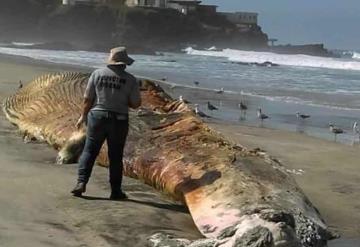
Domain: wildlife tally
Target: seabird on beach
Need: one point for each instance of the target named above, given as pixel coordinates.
(211, 107)
(261, 115)
(196, 83)
(164, 78)
(20, 84)
(356, 131)
(181, 99)
(221, 91)
(302, 116)
(243, 108)
(335, 130)
(199, 113)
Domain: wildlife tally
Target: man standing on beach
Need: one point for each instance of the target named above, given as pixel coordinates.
(109, 94)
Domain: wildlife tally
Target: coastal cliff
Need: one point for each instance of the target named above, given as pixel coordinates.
(98, 27)
(142, 30)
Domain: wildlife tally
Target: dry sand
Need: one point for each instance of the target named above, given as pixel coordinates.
(36, 208)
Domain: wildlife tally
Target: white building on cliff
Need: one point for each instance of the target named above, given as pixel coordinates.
(183, 6)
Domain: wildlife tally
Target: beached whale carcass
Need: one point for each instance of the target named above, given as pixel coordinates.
(237, 197)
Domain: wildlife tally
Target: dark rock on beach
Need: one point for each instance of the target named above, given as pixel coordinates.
(308, 49)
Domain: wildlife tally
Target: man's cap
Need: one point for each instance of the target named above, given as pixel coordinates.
(120, 57)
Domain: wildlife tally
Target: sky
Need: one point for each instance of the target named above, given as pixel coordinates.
(336, 23)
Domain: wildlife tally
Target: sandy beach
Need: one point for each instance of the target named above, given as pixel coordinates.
(37, 209)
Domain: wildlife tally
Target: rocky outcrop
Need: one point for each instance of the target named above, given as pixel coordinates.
(99, 28)
(310, 49)
(237, 197)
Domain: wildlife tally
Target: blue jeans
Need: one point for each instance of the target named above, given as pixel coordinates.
(101, 126)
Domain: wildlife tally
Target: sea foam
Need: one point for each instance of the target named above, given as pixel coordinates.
(24, 44)
(356, 55)
(282, 59)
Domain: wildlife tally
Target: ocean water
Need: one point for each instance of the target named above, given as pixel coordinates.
(326, 88)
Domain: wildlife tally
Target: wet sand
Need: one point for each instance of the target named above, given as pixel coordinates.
(36, 208)
(282, 114)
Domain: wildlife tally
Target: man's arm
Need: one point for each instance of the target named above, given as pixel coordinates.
(88, 103)
(135, 98)
(89, 98)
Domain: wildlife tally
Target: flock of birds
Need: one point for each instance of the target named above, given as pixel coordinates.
(262, 116)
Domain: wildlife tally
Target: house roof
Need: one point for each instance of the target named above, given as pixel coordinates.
(209, 5)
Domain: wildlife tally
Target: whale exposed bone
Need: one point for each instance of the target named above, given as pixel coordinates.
(236, 196)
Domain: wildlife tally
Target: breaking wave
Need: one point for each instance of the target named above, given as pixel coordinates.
(24, 44)
(356, 55)
(282, 59)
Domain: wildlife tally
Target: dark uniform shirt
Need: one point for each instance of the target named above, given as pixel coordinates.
(112, 89)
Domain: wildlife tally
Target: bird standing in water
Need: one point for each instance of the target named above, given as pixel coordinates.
(261, 115)
(221, 91)
(302, 116)
(198, 112)
(300, 127)
(211, 107)
(243, 108)
(356, 131)
(335, 130)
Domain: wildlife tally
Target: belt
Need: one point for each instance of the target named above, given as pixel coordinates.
(118, 116)
(110, 115)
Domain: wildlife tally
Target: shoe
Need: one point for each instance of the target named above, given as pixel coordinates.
(118, 195)
(79, 189)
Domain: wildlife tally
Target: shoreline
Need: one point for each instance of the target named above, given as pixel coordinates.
(282, 115)
(24, 60)
(284, 145)
(318, 50)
